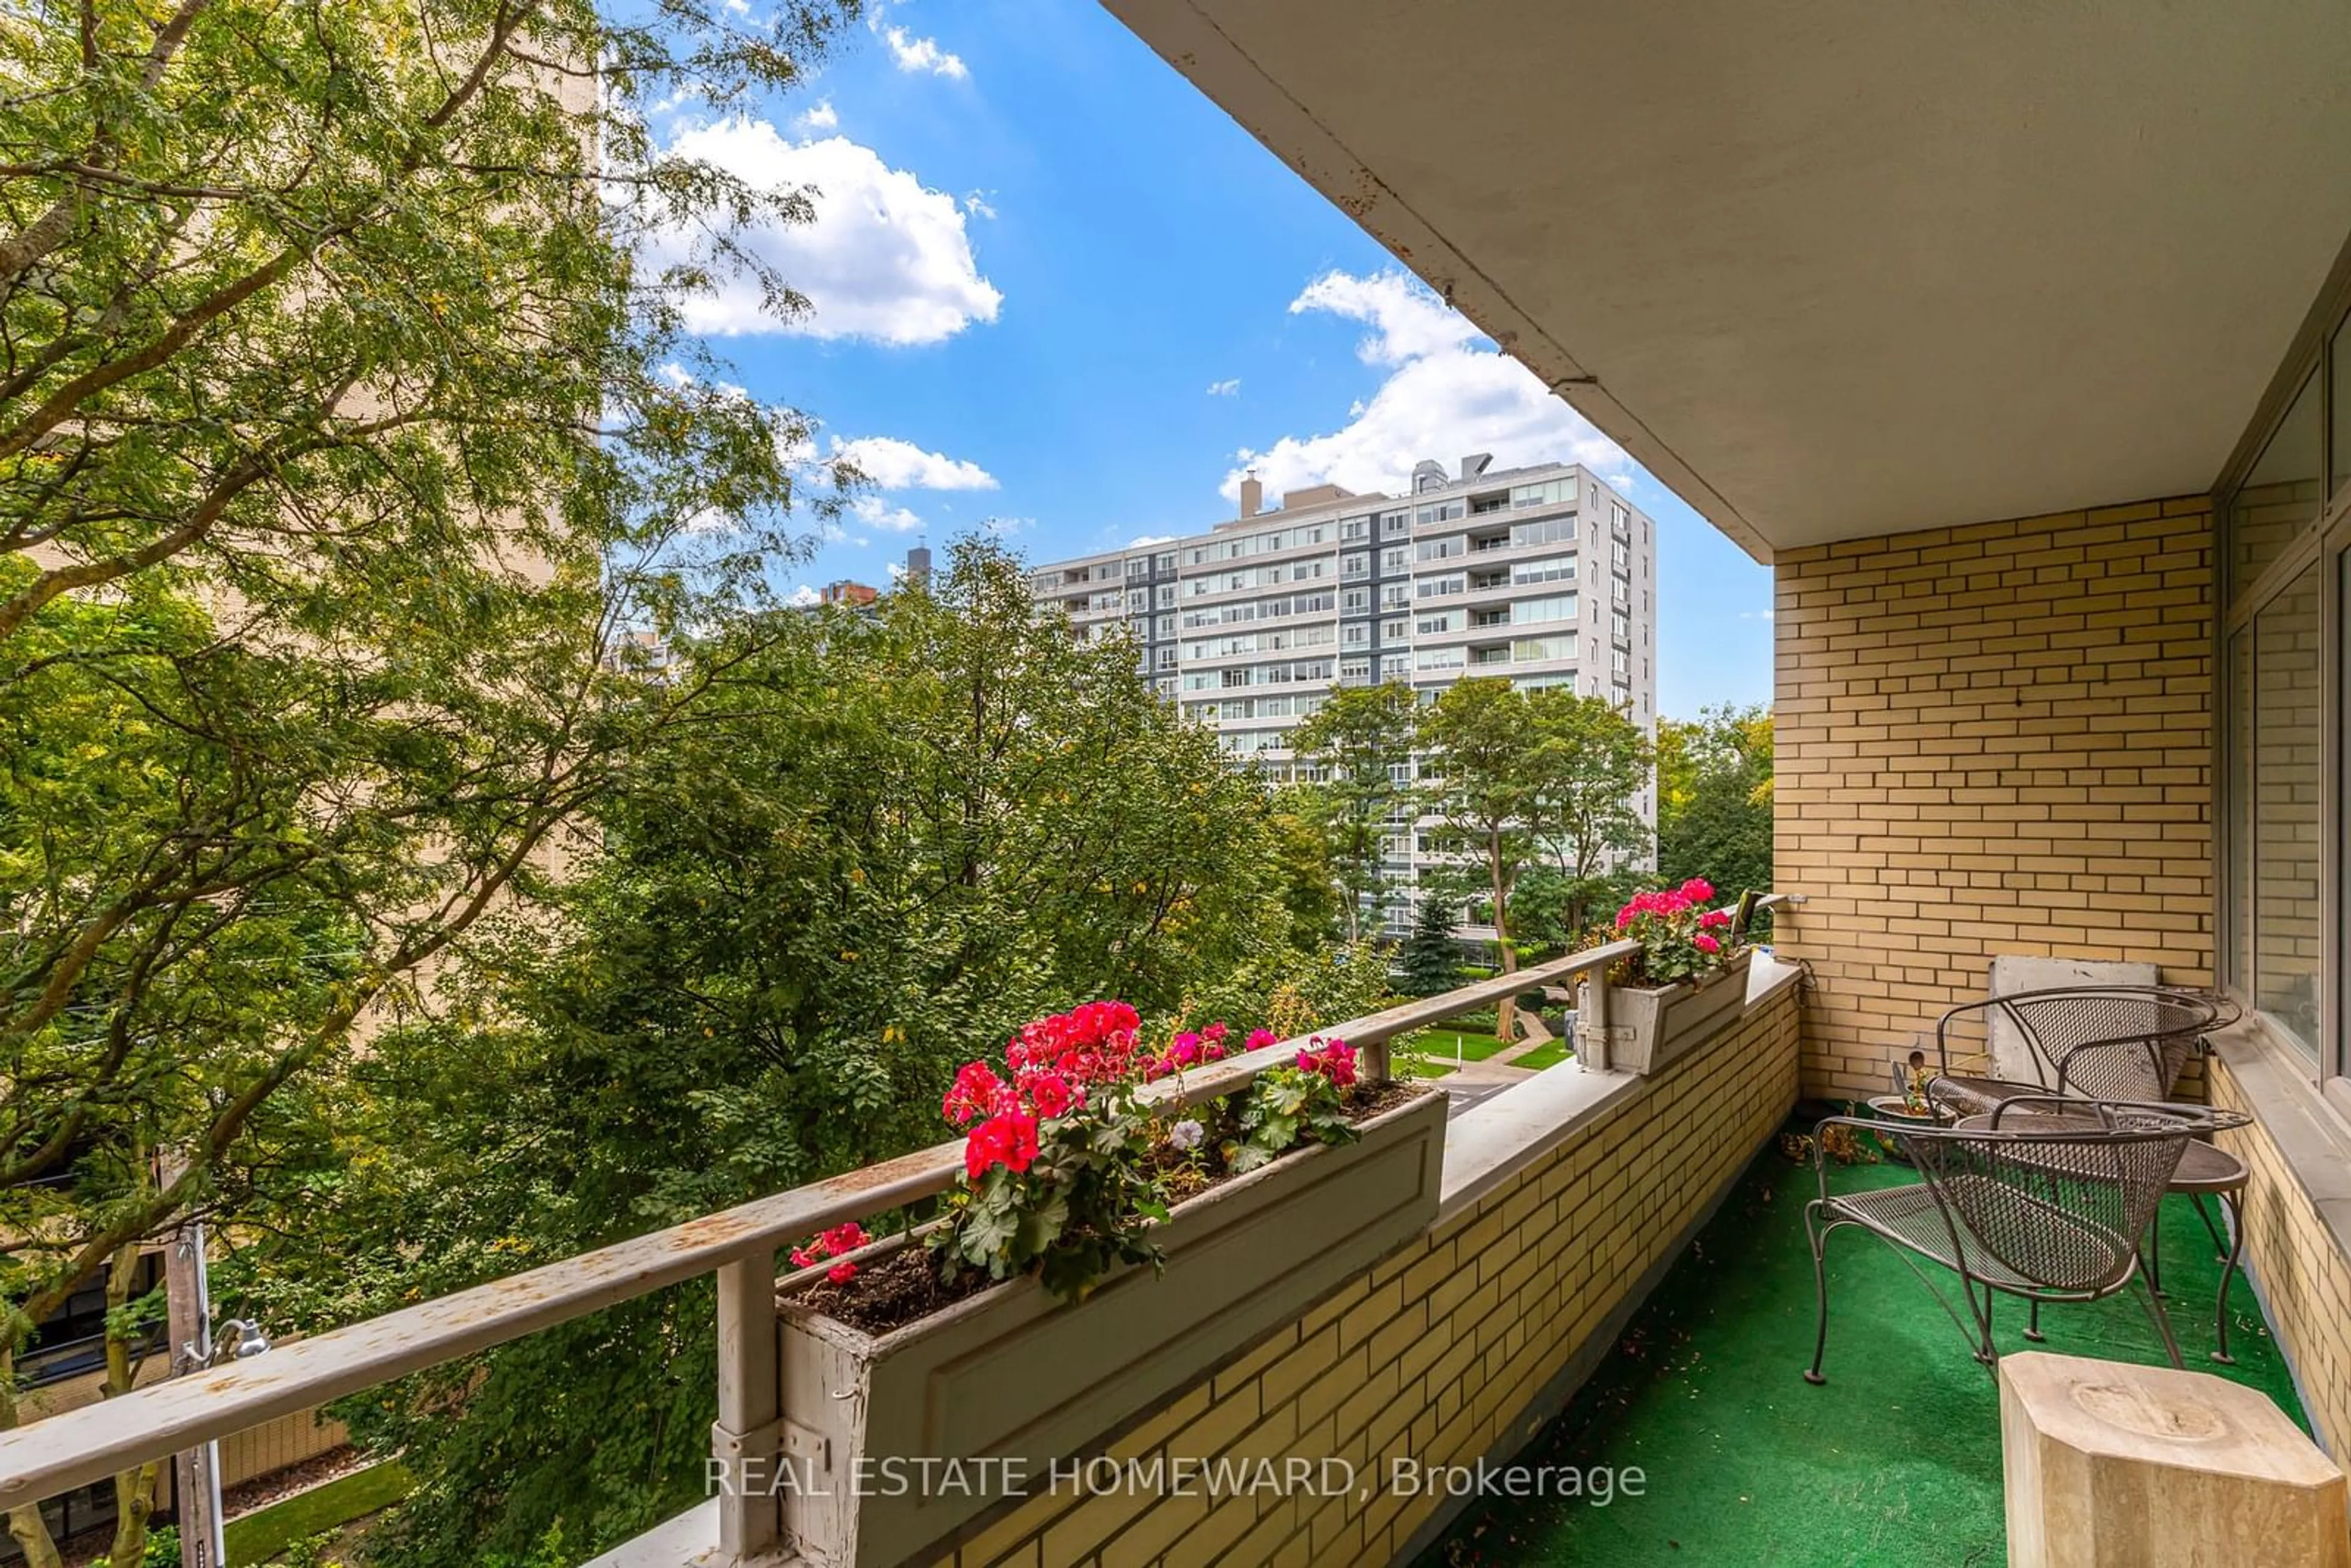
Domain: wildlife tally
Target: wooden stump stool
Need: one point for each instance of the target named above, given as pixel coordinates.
(2143, 1466)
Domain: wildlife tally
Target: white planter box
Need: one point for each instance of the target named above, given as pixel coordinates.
(1654, 1026)
(1012, 1374)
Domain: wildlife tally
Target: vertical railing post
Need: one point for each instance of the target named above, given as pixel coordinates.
(1592, 1047)
(747, 1439)
(1374, 1061)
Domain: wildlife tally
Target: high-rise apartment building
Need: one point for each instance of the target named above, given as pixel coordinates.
(1543, 575)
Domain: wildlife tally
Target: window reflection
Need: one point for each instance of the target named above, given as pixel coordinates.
(2241, 810)
(2339, 357)
(2286, 790)
(2284, 492)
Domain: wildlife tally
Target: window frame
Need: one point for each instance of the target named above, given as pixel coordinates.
(2322, 545)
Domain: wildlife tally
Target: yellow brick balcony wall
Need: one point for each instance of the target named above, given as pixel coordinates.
(1991, 739)
(1454, 1350)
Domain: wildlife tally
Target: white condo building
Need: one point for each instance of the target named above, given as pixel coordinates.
(1545, 576)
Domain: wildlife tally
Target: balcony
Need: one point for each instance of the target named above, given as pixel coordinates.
(1531, 1225)
(2057, 497)
(1615, 1277)
(1896, 1459)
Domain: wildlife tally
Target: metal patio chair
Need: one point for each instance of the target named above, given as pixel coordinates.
(2049, 1208)
(2137, 1040)
(2149, 1034)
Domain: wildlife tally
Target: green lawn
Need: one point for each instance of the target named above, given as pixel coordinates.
(1433, 1052)
(1543, 1056)
(265, 1533)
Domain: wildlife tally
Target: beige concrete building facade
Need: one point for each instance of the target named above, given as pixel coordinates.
(1544, 576)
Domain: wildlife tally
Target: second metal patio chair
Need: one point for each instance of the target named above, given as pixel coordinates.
(2115, 1043)
(2099, 1042)
(2049, 1208)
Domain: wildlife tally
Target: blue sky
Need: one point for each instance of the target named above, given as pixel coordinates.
(1056, 290)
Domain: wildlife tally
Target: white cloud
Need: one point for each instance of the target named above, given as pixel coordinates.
(912, 54)
(678, 376)
(885, 257)
(894, 464)
(1447, 395)
(1408, 320)
(819, 116)
(977, 204)
(1142, 541)
(1755, 615)
(1226, 388)
(804, 596)
(882, 514)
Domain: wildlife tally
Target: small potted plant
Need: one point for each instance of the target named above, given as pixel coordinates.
(1688, 979)
(1105, 1244)
(1911, 1107)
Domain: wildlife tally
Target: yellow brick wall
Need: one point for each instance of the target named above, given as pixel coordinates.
(1990, 739)
(1436, 1353)
(2304, 1279)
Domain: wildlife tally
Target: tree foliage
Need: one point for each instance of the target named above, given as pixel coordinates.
(1430, 959)
(882, 847)
(1477, 737)
(1714, 799)
(1587, 764)
(1308, 879)
(342, 431)
(1539, 782)
(1359, 739)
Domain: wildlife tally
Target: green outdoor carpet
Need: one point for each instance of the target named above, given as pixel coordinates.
(1895, 1460)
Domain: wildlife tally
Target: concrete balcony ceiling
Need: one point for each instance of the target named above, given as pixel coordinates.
(1837, 269)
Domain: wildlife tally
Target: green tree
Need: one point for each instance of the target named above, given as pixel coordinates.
(1359, 738)
(341, 430)
(1430, 960)
(882, 846)
(1714, 799)
(1586, 765)
(1308, 881)
(1476, 740)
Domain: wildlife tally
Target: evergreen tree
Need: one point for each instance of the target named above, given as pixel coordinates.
(1430, 960)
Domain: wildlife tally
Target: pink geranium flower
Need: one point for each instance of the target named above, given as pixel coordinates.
(1008, 1140)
